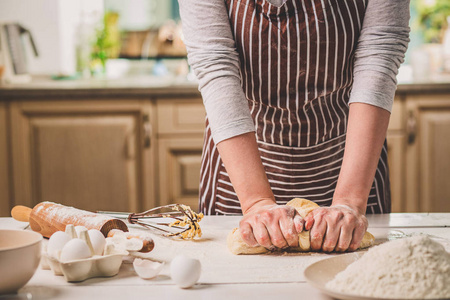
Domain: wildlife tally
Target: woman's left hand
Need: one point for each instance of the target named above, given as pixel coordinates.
(336, 228)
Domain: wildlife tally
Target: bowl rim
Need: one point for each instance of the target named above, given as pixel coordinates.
(37, 236)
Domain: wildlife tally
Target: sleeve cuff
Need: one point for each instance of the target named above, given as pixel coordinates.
(231, 130)
(373, 98)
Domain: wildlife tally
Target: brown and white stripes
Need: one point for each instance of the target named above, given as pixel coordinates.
(297, 73)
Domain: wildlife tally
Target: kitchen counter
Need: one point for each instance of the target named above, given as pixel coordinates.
(130, 86)
(224, 276)
(148, 85)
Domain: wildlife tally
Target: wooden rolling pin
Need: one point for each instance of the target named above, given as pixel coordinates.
(48, 217)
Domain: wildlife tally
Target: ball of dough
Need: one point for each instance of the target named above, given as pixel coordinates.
(237, 246)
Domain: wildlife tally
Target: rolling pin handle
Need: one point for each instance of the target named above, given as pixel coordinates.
(21, 213)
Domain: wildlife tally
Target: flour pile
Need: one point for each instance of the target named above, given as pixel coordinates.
(415, 268)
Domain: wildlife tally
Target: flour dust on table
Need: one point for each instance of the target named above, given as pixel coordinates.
(411, 268)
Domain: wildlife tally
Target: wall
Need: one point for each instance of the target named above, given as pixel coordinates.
(136, 15)
(53, 24)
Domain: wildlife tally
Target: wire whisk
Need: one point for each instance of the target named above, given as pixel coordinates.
(173, 220)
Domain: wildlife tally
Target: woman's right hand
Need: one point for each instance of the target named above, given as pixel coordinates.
(271, 226)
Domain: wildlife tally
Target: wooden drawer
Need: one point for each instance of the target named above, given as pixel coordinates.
(179, 170)
(180, 116)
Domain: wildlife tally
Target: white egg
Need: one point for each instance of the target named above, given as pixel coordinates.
(185, 271)
(78, 229)
(98, 241)
(147, 269)
(75, 249)
(56, 243)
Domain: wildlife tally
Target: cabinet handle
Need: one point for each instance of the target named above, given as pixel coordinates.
(147, 131)
(411, 128)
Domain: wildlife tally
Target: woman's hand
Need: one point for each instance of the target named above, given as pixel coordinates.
(271, 226)
(339, 228)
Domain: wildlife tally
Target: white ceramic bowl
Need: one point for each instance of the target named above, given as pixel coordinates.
(20, 253)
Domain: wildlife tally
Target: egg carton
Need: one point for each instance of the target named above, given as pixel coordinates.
(82, 269)
(105, 263)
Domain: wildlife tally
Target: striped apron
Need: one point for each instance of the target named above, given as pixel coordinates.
(296, 65)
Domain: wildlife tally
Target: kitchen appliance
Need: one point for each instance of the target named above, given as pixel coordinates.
(13, 53)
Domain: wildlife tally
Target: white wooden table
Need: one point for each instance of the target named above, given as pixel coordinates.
(224, 276)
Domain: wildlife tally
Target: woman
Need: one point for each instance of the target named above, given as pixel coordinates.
(298, 95)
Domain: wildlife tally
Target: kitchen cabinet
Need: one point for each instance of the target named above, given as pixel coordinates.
(396, 141)
(179, 170)
(427, 160)
(94, 155)
(5, 196)
(181, 125)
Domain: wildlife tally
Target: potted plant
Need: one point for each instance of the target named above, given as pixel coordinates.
(432, 18)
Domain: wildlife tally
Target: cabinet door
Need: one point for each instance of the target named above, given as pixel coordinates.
(5, 200)
(396, 150)
(428, 163)
(179, 169)
(396, 141)
(84, 154)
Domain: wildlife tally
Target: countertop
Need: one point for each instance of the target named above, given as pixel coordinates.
(149, 86)
(129, 86)
(224, 276)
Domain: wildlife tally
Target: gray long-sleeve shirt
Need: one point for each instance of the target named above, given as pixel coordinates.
(213, 56)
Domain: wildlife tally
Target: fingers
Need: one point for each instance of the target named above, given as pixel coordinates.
(309, 221)
(298, 223)
(262, 236)
(358, 235)
(271, 219)
(347, 231)
(345, 238)
(334, 224)
(276, 236)
(247, 234)
(289, 232)
(317, 232)
(336, 229)
(331, 237)
(272, 227)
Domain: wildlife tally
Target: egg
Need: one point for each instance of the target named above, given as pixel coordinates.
(98, 241)
(147, 269)
(185, 271)
(78, 229)
(75, 249)
(56, 243)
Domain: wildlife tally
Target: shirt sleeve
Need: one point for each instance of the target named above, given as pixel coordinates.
(213, 56)
(381, 49)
